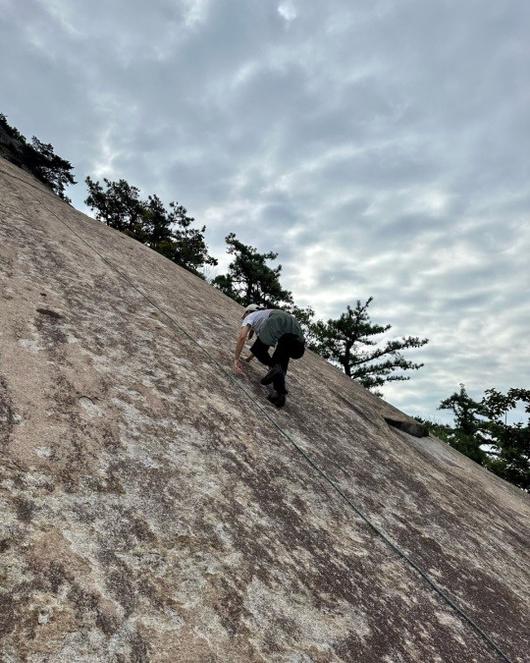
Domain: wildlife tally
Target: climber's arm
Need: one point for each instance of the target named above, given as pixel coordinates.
(243, 334)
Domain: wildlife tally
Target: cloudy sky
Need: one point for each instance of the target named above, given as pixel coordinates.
(382, 147)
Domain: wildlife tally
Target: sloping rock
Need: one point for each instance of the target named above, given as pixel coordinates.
(156, 508)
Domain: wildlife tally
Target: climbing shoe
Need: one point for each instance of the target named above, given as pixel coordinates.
(273, 373)
(278, 383)
(277, 399)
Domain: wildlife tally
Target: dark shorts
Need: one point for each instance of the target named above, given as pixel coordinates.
(289, 346)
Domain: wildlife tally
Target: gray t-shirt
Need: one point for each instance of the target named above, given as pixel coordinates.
(257, 320)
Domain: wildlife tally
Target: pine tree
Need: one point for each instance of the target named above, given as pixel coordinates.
(350, 341)
(481, 431)
(249, 279)
(465, 435)
(167, 231)
(509, 444)
(118, 205)
(38, 158)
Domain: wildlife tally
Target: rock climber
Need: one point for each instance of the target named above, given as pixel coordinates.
(271, 327)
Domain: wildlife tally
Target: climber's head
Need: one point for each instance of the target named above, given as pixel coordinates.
(250, 309)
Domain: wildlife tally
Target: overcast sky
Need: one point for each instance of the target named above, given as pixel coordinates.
(382, 147)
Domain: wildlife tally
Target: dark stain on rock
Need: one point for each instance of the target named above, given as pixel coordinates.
(139, 649)
(110, 439)
(48, 324)
(51, 314)
(87, 605)
(90, 606)
(114, 484)
(129, 529)
(230, 605)
(8, 615)
(140, 528)
(24, 509)
(284, 624)
(108, 485)
(83, 600)
(56, 576)
(119, 582)
(7, 419)
(347, 649)
(68, 482)
(107, 623)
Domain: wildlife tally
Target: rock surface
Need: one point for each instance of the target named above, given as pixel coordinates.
(153, 509)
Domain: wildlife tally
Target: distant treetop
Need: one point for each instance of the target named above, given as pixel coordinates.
(250, 280)
(37, 158)
(168, 231)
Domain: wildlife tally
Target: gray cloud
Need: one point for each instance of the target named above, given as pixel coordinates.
(381, 149)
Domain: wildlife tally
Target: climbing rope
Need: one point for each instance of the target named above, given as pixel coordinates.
(379, 532)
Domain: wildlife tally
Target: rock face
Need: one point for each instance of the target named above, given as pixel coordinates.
(156, 508)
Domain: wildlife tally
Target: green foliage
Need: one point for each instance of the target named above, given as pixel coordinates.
(49, 167)
(10, 131)
(511, 442)
(38, 158)
(481, 432)
(465, 411)
(249, 279)
(167, 231)
(119, 206)
(350, 341)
